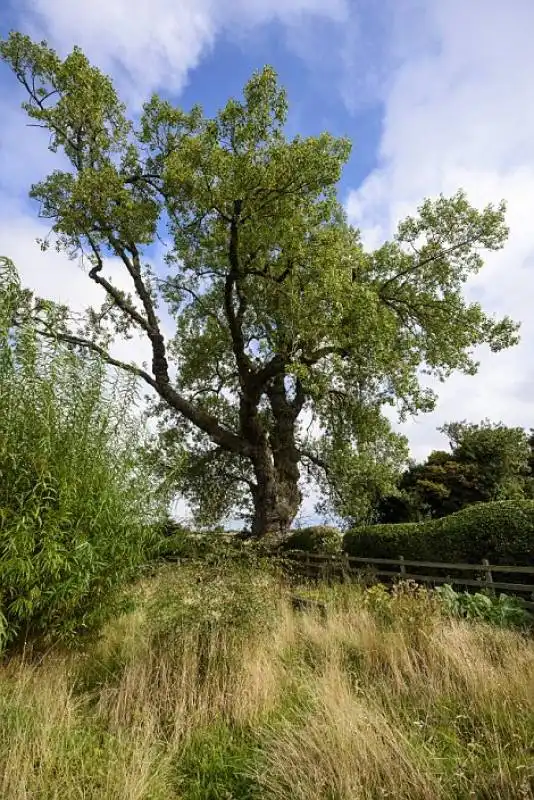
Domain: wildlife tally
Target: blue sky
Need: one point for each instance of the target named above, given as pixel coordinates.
(435, 95)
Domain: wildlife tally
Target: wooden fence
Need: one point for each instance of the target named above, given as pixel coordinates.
(481, 576)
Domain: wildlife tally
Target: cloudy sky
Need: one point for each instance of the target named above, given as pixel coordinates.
(435, 94)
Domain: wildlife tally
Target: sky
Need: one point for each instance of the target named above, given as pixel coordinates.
(435, 95)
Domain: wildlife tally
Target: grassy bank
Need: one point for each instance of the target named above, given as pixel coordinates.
(214, 687)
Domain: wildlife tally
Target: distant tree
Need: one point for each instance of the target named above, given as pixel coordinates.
(277, 309)
(501, 455)
(441, 485)
(487, 462)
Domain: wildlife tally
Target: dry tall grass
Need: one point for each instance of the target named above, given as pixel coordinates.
(219, 690)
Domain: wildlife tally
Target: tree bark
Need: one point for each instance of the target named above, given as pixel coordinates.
(277, 496)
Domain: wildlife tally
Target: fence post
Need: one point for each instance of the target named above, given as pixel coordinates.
(402, 565)
(309, 567)
(345, 568)
(488, 577)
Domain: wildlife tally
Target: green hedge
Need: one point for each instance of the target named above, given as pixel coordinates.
(315, 539)
(502, 532)
(409, 539)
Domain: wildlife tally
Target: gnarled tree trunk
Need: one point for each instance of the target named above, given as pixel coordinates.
(277, 496)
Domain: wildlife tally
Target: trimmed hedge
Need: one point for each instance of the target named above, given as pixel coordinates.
(408, 539)
(502, 532)
(315, 539)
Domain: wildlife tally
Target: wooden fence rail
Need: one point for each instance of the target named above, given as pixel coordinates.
(483, 574)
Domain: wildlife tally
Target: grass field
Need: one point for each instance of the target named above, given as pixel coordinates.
(214, 688)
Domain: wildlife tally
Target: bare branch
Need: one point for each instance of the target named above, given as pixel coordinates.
(79, 341)
(414, 267)
(112, 291)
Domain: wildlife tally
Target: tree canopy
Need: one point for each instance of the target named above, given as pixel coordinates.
(280, 317)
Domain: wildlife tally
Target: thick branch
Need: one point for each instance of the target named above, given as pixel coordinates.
(323, 352)
(133, 265)
(319, 462)
(206, 422)
(112, 291)
(235, 319)
(299, 399)
(276, 366)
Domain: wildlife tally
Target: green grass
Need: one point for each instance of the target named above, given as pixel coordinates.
(219, 762)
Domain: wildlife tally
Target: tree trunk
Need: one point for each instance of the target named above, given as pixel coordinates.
(277, 496)
(275, 459)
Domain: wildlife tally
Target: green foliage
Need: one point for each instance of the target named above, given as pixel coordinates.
(407, 604)
(502, 532)
(207, 546)
(315, 539)
(205, 596)
(75, 501)
(357, 478)
(441, 485)
(276, 304)
(178, 545)
(408, 539)
(171, 539)
(501, 610)
(488, 462)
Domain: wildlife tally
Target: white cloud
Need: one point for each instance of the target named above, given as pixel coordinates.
(459, 112)
(153, 44)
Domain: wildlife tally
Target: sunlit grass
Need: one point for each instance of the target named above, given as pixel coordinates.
(218, 689)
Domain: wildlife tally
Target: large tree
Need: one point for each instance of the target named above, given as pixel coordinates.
(279, 313)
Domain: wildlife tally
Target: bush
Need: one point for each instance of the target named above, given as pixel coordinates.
(316, 539)
(230, 599)
(387, 541)
(502, 532)
(173, 540)
(75, 499)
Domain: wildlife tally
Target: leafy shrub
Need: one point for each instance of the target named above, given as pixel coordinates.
(500, 610)
(315, 539)
(502, 532)
(407, 604)
(172, 540)
(210, 613)
(74, 497)
(230, 595)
